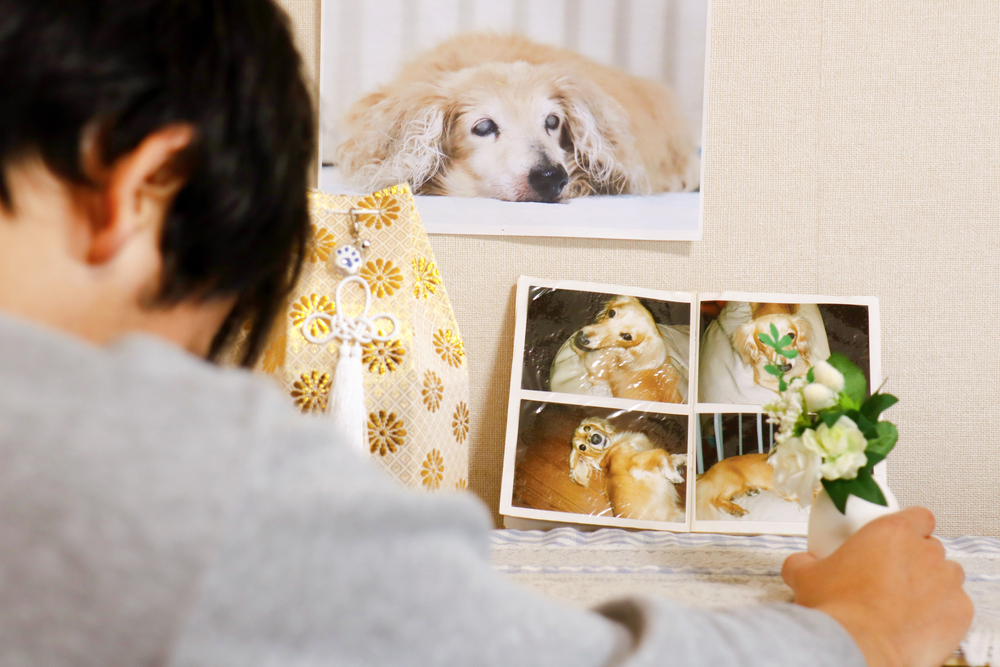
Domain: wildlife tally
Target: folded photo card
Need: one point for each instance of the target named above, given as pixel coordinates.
(622, 397)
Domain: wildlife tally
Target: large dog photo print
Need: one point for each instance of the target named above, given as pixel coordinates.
(561, 118)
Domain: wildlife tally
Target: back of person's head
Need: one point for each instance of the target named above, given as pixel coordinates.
(120, 70)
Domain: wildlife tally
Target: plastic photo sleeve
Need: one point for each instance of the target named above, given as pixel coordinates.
(621, 397)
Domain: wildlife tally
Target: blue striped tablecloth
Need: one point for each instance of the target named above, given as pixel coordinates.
(709, 570)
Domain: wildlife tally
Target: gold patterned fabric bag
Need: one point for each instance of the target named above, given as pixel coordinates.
(416, 387)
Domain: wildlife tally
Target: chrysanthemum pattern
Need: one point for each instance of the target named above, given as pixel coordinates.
(426, 278)
(308, 305)
(311, 391)
(413, 385)
(385, 210)
(433, 470)
(382, 356)
(449, 347)
(460, 422)
(385, 432)
(433, 391)
(383, 277)
(321, 245)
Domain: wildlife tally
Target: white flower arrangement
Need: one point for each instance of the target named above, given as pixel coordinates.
(829, 435)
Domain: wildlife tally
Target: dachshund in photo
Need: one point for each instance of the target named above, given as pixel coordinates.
(733, 358)
(639, 478)
(715, 489)
(626, 354)
(755, 354)
(486, 115)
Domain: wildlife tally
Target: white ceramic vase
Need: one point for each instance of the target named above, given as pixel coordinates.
(828, 528)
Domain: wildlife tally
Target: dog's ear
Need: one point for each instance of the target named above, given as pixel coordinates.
(579, 470)
(744, 343)
(803, 337)
(394, 136)
(596, 135)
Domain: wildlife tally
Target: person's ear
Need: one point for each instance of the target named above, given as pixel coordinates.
(138, 189)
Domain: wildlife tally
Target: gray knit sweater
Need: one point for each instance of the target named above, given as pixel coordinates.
(157, 510)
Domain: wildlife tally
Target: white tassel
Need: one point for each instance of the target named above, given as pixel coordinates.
(347, 398)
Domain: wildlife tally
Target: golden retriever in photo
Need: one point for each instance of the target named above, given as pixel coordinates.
(639, 478)
(487, 115)
(730, 478)
(626, 354)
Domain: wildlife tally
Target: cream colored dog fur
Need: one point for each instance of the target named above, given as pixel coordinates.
(485, 115)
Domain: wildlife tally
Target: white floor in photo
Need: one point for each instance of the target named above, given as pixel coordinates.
(666, 216)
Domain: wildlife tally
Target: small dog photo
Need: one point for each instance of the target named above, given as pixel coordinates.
(733, 359)
(610, 345)
(734, 478)
(518, 102)
(600, 462)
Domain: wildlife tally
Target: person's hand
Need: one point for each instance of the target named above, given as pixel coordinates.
(891, 588)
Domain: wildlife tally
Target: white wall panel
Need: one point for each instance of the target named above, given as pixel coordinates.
(595, 37)
(494, 15)
(544, 21)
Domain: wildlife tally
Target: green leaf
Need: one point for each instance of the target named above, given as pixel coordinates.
(767, 340)
(886, 440)
(873, 458)
(876, 404)
(838, 490)
(855, 384)
(811, 375)
(830, 416)
(863, 486)
(785, 341)
(865, 425)
(782, 385)
(788, 354)
(774, 333)
(774, 370)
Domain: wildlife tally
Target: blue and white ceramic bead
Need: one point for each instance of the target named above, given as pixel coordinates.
(347, 258)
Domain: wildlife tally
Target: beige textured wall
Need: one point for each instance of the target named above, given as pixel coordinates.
(853, 147)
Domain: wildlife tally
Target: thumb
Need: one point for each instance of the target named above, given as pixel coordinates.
(794, 565)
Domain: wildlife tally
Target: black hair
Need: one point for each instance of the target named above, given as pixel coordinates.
(239, 225)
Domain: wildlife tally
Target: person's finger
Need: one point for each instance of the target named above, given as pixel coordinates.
(956, 571)
(936, 547)
(920, 519)
(794, 564)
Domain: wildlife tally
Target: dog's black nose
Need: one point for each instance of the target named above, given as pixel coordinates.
(581, 339)
(596, 439)
(548, 180)
(785, 368)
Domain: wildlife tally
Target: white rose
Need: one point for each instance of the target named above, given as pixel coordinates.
(796, 464)
(819, 396)
(828, 376)
(843, 447)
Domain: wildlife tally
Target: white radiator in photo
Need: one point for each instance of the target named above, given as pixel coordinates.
(365, 42)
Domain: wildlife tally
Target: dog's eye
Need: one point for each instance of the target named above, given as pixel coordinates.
(791, 335)
(583, 448)
(552, 122)
(484, 128)
(612, 313)
(626, 336)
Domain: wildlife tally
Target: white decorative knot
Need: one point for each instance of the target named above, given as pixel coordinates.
(360, 329)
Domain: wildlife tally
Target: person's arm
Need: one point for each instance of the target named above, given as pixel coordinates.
(892, 589)
(328, 562)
